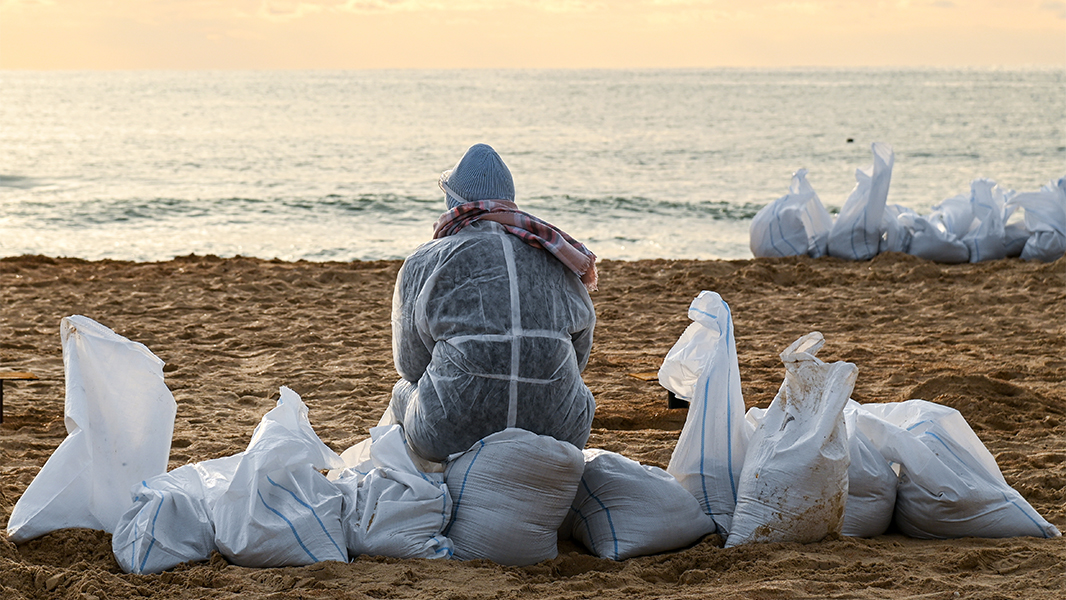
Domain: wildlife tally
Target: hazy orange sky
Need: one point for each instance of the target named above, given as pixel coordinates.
(356, 34)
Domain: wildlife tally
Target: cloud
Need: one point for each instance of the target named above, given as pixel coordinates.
(18, 4)
(1059, 8)
(283, 10)
(802, 7)
(377, 6)
(240, 34)
(287, 10)
(555, 6)
(569, 6)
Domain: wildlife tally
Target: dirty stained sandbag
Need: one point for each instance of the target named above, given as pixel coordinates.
(277, 509)
(393, 505)
(794, 486)
(872, 482)
(795, 224)
(624, 509)
(950, 485)
(119, 417)
(702, 368)
(510, 494)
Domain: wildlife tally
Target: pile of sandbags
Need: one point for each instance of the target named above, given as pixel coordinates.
(818, 463)
(505, 499)
(268, 506)
(988, 223)
(949, 484)
(812, 464)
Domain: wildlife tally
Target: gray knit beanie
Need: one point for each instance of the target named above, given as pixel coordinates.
(479, 175)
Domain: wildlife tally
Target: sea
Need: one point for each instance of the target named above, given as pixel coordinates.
(343, 165)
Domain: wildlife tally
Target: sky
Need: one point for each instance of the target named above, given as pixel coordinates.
(372, 34)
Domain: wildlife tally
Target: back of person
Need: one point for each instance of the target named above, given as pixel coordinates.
(511, 331)
(490, 332)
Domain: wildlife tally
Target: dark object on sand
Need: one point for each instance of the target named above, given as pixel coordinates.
(672, 401)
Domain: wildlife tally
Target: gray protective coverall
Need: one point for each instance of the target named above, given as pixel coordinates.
(489, 333)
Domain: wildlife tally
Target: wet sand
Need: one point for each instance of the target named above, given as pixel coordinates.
(988, 339)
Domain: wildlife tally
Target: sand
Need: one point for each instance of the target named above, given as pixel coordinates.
(988, 339)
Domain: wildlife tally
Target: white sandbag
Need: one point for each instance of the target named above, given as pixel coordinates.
(932, 241)
(752, 418)
(625, 509)
(795, 224)
(794, 486)
(356, 460)
(938, 236)
(171, 520)
(510, 493)
(119, 417)
(950, 485)
(391, 506)
(1015, 236)
(986, 237)
(167, 525)
(956, 214)
(359, 459)
(896, 227)
(702, 365)
(277, 509)
(1045, 220)
(871, 483)
(856, 234)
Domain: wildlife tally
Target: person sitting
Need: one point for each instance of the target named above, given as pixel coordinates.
(492, 321)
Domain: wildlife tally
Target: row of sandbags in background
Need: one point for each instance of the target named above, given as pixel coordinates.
(507, 499)
(987, 224)
(815, 462)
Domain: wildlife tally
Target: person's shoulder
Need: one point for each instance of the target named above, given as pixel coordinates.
(434, 250)
(425, 248)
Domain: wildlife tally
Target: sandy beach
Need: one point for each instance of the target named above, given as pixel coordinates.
(988, 339)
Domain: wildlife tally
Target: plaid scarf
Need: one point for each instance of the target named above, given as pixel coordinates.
(533, 231)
